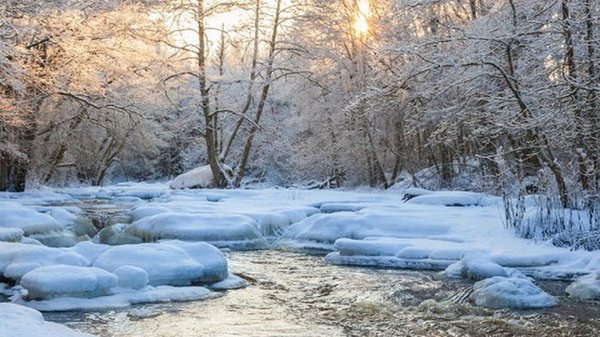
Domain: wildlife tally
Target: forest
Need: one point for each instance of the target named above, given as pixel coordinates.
(299, 168)
(479, 95)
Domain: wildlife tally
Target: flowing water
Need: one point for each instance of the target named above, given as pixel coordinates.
(298, 295)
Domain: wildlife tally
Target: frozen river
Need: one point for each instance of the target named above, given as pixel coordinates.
(298, 295)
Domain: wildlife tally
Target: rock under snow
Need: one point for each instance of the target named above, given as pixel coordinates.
(11, 234)
(517, 293)
(586, 287)
(67, 281)
(475, 268)
(17, 320)
(221, 230)
(201, 177)
(17, 259)
(131, 277)
(13, 215)
(320, 231)
(168, 263)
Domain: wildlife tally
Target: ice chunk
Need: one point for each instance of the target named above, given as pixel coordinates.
(167, 263)
(586, 287)
(201, 177)
(17, 320)
(67, 281)
(518, 293)
(131, 277)
(230, 231)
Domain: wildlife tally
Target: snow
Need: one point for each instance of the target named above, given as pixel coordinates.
(123, 299)
(131, 277)
(201, 177)
(67, 281)
(450, 198)
(13, 215)
(352, 228)
(17, 259)
(168, 263)
(17, 320)
(325, 229)
(231, 282)
(11, 234)
(230, 231)
(475, 268)
(517, 293)
(586, 287)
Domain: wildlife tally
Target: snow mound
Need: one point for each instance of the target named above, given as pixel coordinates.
(17, 259)
(67, 281)
(320, 231)
(201, 177)
(586, 287)
(30, 221)
(168, 263)
(517, 293)
(450, 198)
(122, 299)
(231, 282)
(11, 234)
(17, 320)
(229, 231)
(131, 277)
(475, 268)
(273, 224)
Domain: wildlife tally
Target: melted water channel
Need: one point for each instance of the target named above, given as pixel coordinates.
(298, 295)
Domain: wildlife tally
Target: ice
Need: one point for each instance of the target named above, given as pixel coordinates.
(341, 207)
(11, 234)
(19, 321)
(67, 281)
(13, 215)
(123, 299)
(450, 198)
(325, 229)
(131, 277)
(201, 177)
(143, 210)
(17, 259)
(64, 218)
(231, 282)
(475, 268)
(586, 287)
(89, 250)
(31, 198)
(517, 293)
(230, 231)
(168, 263)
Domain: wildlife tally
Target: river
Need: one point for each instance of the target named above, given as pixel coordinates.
(299, 295)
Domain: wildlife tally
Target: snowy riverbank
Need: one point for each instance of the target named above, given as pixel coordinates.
(165, 243)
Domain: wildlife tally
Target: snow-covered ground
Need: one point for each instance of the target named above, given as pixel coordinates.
(170, 248)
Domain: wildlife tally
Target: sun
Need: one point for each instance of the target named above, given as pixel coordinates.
(361, 20)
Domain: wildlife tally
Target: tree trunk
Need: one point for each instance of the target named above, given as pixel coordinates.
(241, 170)
(209, 134)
